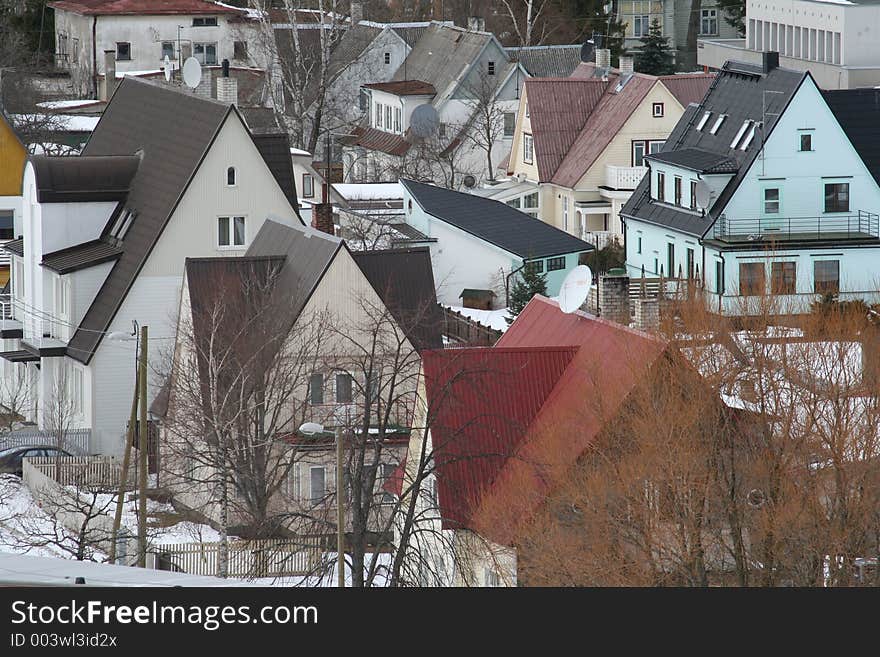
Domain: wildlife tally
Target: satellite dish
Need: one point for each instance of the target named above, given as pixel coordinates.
(424, 121)
(311, 429)
(703, 194)
(167, 67)
(469, 181)
(587, 52)
(575, 289)
(192, 72)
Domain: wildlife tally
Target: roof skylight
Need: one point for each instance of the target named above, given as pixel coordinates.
(717, 124)
(703, 120)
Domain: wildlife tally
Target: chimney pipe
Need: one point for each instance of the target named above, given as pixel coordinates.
(225, 65)
(769, 60)
(476, 24)
(322, 218)
(109, 73)
(626, 64)
(603, 57)
(357, 12)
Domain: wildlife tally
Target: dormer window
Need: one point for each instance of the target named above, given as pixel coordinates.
(230, 177)
(122, 224)
(491, 68)
(703, 120)
(387, 58)
(661, 186)
(717, 125)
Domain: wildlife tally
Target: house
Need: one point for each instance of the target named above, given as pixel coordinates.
(824, 37)
(478, 243)
(579, 143)
(12, 158)
(558, 61)
(509, 422)
(474, 71)
(789, 178)
(142, 34)
(165, 175)
(300, 306)
(674, 17)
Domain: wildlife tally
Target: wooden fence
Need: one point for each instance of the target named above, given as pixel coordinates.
(467, 331)
(249, 559)
(102, 472)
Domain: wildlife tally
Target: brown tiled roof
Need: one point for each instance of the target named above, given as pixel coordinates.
(146, 7)
(379, 140)
(404, 88)
(558, 110)
(688, 87)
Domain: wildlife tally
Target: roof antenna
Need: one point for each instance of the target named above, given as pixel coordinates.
(764, 115)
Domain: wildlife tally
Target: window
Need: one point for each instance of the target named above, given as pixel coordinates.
(515, 202)
(388, 117)
(18, 280)
(76, 389)
(837, 197)
(783, 277)
(771, 200)
(689, 263)
(291, 484)
(205, 53)
(693, 191)
(749, 137)
(363, 100)
(565, 213)
(530, 201)
(638, 153)
(491, 68)
(676, 185)
(343, 389)
(661, 186)
(317, 484)
(555, 264)
(639, 245)
(230, 176)
(442, 130)
(491, 578)
(740, 133)
(806, 142)
(396, 119)
(316, 389)
(205, 21)
(751, 279)
(123, 223)
(308, 186)
(123, 51)
(387, 57)
(535, 266)
(670, 260)
(509, 123)
(719, 276)
(230, 231)
(709, 21)
(167, 50)
(7, 225)
(387, 473)
(527, 148)
(641, 24)
(62, 297)
(655, 146)
(379, 115)
(826, 276)
(373, 387)
(703, 120)
(239, 50)
(657, 110)
(717, 125)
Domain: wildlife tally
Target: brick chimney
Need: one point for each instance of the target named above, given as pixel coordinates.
(109, 74)
(227, 87)
(205, 85)
(476, 24)
(614, 298)
(322, 218)
(626, 64)
(603, 57)
(357, 12)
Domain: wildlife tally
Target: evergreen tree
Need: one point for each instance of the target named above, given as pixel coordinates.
(526, 286)
(654, 56)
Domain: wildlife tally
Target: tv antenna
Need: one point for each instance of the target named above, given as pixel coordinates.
(575, 289)
(192, 72)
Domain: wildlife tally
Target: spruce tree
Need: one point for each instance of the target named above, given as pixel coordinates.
(526, 286)
(654, 56)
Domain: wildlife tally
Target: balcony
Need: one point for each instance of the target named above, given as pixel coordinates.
(861, 225)
(10, 325)
(626, 178)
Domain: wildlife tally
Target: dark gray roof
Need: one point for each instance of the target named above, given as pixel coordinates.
(351, 45)
(260, 120)
(15, 246)
(275, 149)
(404, 280)
(73, 179)
(494, 222)
(738, 92)
(409, 33)
(81, 256)
(696, 159)
(857, 111)
(173, 132)
(547, 61)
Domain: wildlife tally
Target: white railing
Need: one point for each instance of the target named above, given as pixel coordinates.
(623, 177)
(601, 238)
(249, 559)
(103, 472)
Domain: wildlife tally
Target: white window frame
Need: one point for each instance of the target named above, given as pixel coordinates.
(717, 125)
(528, 148)
(508, 134)
(703, 120)
(231, 232)
(316, 499)
(565, 213)
(75, 388)
(203, 58)
(654, 110)
(709, 16)
(379, 115)
(234, 182)
(308, 185)
(397, 115)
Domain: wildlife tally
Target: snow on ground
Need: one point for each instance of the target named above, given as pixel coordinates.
(298, 151)
(64, 122)
(68, 104)
(369, 191)
(491, 318)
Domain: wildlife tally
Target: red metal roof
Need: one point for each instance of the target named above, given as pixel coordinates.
(481, 402)
(379, 140)
(688, 87)
(404, 88)
(146, 7)
(558, 110)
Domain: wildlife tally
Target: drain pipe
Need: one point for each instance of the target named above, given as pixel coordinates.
(507, 285)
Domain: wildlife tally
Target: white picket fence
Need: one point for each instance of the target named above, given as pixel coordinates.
(247, 559)
(103, 472)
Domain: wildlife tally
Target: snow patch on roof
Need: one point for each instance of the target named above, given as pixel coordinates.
(369, 191)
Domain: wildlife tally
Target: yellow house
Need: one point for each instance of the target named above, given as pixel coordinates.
(12, 157)
(579, 144)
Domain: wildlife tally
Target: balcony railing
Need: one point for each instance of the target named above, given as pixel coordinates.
(623, 177)
(860, 225)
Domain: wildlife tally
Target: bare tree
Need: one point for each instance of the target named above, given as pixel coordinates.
(525, 16)
(485, 128)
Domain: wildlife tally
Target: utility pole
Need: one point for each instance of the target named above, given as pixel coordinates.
(142, 453)
(340, 513)
(123, 477)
